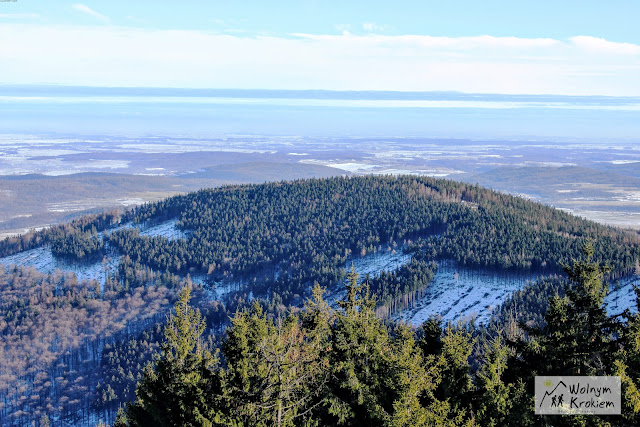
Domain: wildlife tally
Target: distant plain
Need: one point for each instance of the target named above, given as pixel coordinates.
(65, 151)
(46, 180)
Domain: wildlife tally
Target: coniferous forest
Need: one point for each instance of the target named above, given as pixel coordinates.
(292, 344)
(344, 366)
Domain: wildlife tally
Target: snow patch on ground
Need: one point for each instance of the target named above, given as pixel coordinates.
(456, 293)
(224, 288)
(130, 201)
(166, 229)
(624, 297)
(43, 260)
(459, 293)
(373, 264)
(476, 293)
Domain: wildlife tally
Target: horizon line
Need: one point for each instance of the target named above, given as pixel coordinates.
(371, 94)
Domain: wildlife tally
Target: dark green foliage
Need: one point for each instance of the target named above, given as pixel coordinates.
(578, 337)
(121, 365)
(499, 402)
(177, 388)
(71, 243)
(361, 355)
(276, 370)
(306, 230)
(627, 366)
(430, 342)
(397, 290)
(130, 275)
(528, 305)
(321, 367)
(63, 237)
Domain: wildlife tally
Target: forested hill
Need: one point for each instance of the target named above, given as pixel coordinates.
(309, 228)
(284, 236)
(274, 240)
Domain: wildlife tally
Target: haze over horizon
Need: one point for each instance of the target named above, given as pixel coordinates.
(573, 48)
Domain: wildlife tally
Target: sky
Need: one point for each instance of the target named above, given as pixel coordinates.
(511, 47)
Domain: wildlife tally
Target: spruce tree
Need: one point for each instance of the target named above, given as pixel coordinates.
(360, 359)
(456, 385)
(579, 336)
(627, 365)
(498, 401)
(181, 386)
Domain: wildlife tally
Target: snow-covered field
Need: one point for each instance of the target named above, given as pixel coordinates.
(619, 300)
(44, 261)
(166, 229)
(458, 293)
(455, 292)
(373, 264)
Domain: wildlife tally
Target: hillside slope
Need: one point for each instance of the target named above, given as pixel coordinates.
(272, 241)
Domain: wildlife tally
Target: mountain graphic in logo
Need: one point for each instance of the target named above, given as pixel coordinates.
(553, 392)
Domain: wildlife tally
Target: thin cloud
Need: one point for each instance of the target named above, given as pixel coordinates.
(118, 56)
(19, 16)
(605, 46)
(464, 43)
(87, 10)
(373, 27)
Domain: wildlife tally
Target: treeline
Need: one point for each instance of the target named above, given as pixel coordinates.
(305, 229)
(529, 304)
(505, 232)
(130, 275)
(82, 231)
(71, 243)
(399, 289)
(321, 222)
(344, 366)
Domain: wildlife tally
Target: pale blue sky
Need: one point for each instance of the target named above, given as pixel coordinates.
(615, 20)
(563, 47)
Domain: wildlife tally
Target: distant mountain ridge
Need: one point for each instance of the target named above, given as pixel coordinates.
(62, 90)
